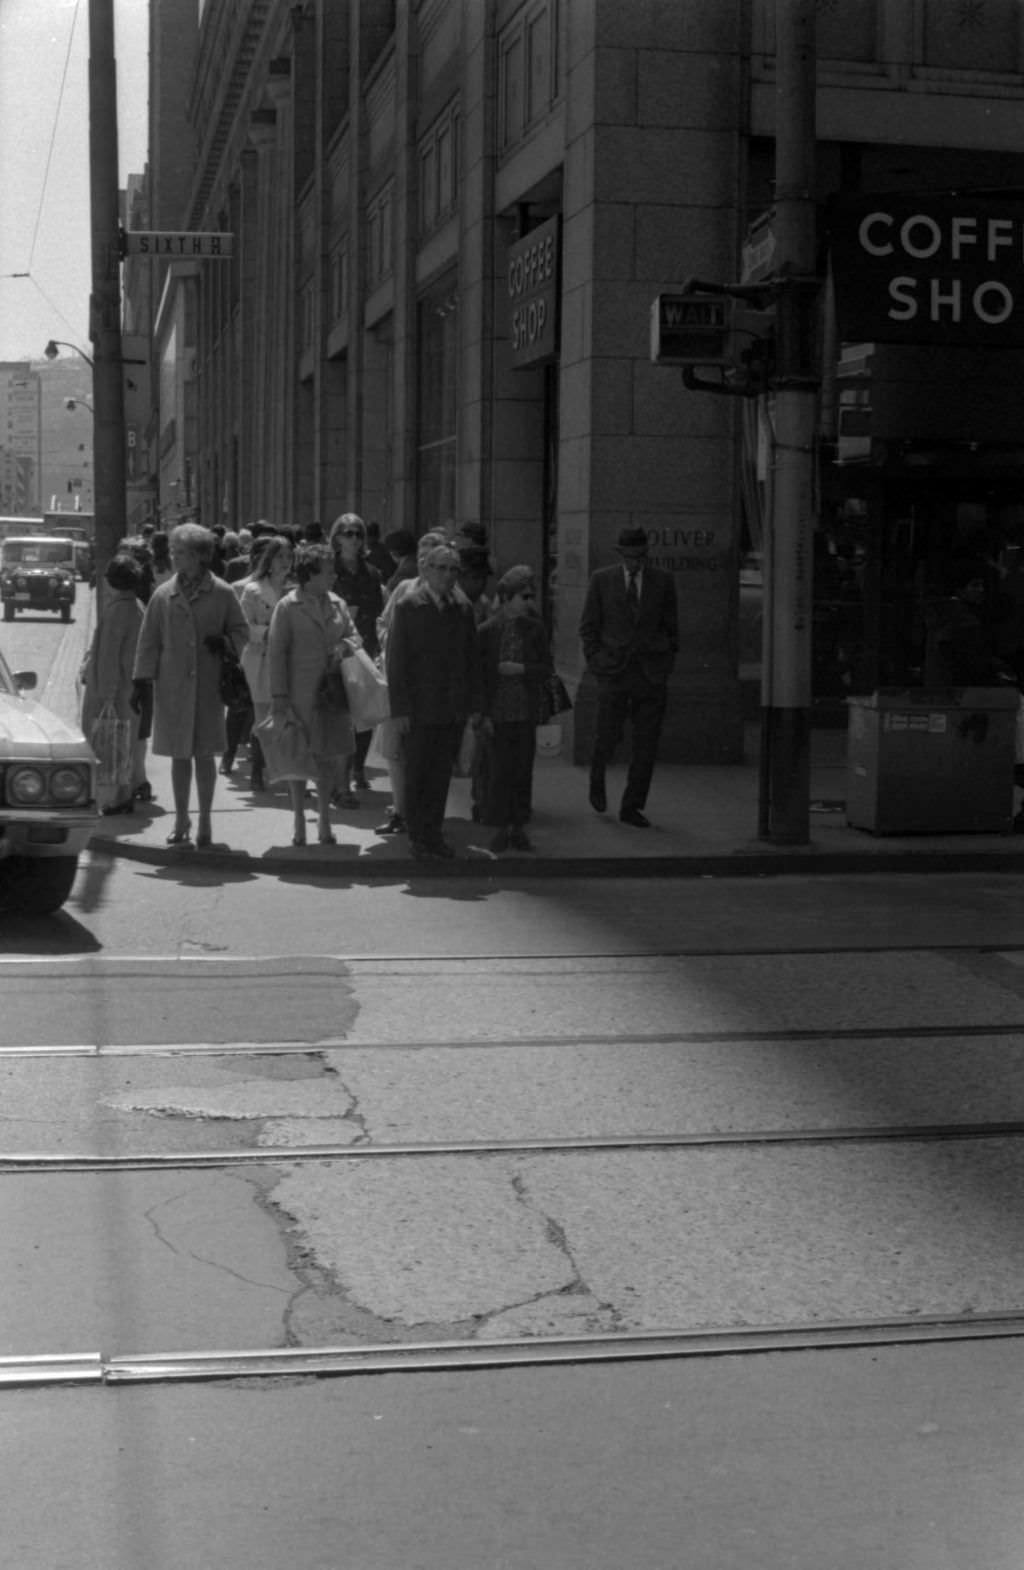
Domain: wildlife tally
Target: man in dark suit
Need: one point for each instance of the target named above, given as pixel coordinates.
(630, 635)
(434, 683)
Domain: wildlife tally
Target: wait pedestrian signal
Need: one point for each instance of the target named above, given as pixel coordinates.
(691, 329)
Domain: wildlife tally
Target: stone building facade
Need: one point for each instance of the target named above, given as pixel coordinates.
(450, 219)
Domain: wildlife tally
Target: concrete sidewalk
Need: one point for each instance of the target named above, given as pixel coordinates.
(704, 823)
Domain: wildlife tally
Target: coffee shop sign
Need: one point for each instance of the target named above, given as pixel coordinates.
(929, 270)
(533, 294)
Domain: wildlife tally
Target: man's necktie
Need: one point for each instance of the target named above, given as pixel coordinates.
(633, 596)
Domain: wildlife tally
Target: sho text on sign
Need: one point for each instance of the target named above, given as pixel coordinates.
(928, 269)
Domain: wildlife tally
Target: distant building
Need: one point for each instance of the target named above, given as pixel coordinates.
(20, 438)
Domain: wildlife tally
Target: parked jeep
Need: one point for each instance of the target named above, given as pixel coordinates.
(37, 573)
(47, 797)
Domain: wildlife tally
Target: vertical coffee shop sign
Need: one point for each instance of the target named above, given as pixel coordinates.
(532, 285)
(929, 269)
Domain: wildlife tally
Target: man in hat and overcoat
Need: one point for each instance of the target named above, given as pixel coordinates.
(630, 635)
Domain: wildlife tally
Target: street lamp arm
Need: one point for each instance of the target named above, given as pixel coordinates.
(50, 352)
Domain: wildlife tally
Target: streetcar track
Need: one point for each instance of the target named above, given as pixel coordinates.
(527, 1351)
(387, 964)
(624, 1039)
(15, 1163)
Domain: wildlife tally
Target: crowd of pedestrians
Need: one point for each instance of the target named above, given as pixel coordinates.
(213, 644)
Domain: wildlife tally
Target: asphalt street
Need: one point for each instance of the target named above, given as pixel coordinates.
(619, 1123)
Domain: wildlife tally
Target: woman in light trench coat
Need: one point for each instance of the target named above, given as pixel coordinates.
(310, 630)
(190, 622)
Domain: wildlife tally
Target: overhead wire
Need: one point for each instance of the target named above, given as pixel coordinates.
(53, 137)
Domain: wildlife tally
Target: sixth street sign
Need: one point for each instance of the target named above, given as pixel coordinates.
(691, 329)
(178, 245)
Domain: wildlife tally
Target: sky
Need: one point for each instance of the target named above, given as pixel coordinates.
(44, 162)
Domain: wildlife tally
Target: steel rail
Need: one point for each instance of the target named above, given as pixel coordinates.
(623, 1039)
(99, 963)
(13, 1163)
(525, 1351)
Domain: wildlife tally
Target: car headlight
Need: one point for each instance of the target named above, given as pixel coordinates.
(69, 785)
(26, 785)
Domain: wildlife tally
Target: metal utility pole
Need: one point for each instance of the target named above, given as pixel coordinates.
(786, 691)
(105, 301)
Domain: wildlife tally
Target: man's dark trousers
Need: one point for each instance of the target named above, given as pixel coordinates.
(430, 751)
(629, 697)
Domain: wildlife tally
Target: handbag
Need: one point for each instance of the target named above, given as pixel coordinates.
(367, 690)
(234, 688)
(331, 694)
(285, 748)
(554, 699)
(111, 740)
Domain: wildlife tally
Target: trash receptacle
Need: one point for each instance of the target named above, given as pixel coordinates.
(932, 762)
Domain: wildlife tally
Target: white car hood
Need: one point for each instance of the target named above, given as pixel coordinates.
(30, 730)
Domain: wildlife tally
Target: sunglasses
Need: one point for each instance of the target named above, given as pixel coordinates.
(352, 534)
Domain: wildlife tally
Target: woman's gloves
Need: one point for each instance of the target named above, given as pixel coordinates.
(216, 643)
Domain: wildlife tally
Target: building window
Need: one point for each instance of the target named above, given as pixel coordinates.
(439, 170)
(972, 35)
(380, 260)
(527, 70)
(308, 316)
(437, 332)
(339, 281)
(847, 30)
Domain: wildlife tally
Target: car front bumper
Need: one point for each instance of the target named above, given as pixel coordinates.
(40, 835)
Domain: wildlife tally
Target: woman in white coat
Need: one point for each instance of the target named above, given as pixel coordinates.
(107, 673)
(311, 629)
(258, 597)
(190, 621)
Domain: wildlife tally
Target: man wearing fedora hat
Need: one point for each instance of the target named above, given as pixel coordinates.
(630, 635)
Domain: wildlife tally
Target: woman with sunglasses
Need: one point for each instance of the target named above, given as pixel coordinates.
(516, 663)
(359, 584)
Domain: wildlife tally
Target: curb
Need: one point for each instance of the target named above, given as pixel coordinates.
(740, 864)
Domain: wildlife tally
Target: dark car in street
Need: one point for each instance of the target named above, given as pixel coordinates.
(37, 573)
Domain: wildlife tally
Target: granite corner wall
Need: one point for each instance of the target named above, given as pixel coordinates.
(651, 196)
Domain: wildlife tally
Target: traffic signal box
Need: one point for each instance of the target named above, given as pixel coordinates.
(726, 328)
(688, 329)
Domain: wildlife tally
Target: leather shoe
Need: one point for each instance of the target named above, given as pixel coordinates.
(421, 852)
(598, 798)
(632, 816)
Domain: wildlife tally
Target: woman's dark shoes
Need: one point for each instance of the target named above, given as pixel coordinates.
(143, 792)
(204, 841)
(327, 838)
(344, 798)
(181, 834)
(598, 796)
(394, 824)
(227, 763)
(359, 780)
(636, 819)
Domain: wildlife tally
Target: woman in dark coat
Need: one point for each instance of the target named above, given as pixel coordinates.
(190, 622)
(516, 663)
(359, 584)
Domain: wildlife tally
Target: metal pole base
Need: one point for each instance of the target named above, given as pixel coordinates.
(786, 776)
